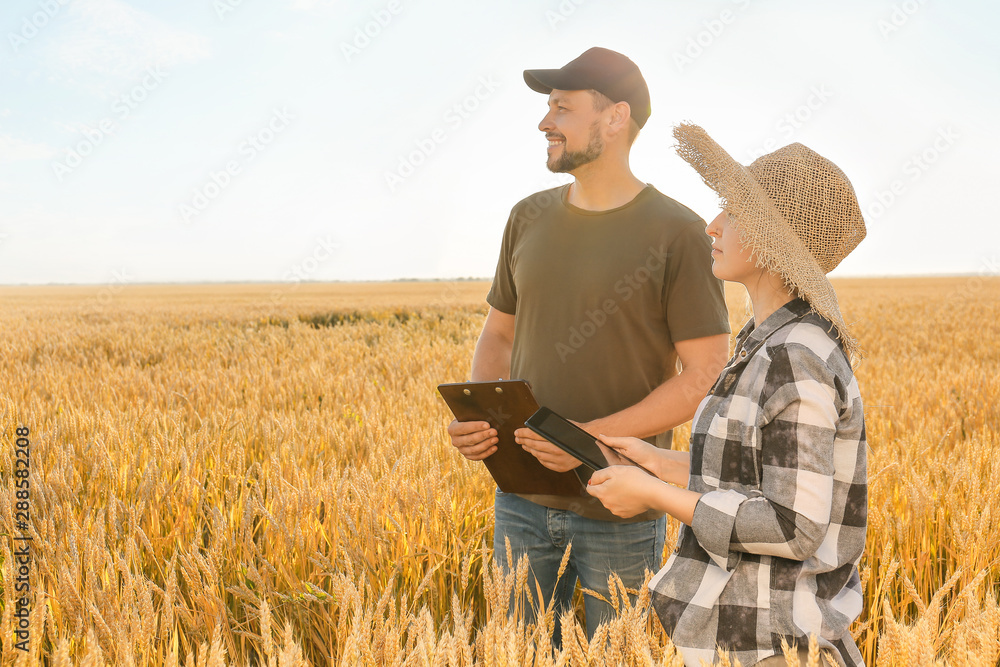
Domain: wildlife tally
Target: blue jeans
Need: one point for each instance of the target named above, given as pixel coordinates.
(599, 548)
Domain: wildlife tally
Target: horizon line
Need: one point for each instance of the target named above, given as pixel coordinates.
(887, 276)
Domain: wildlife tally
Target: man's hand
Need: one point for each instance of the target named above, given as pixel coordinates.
(624, 490)
(548, 455)
(475, 440)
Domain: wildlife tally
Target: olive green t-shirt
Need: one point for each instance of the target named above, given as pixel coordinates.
(599, 299)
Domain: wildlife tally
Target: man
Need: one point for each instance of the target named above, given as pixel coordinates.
(601, 286)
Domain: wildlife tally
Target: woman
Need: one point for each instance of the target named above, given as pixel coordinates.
(775, 504)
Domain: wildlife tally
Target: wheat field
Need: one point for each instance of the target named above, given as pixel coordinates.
(260, 475)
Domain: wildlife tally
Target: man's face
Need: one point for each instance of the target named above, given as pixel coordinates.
(572, 126)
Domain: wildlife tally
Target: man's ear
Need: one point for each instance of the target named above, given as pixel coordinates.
(618, 121)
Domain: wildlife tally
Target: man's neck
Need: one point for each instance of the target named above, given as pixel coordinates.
(602, 186)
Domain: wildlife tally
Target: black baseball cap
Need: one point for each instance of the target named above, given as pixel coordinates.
(608, 72)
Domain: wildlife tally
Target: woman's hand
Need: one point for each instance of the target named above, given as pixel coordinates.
(625, 490)
(668, 465)
(627, 451)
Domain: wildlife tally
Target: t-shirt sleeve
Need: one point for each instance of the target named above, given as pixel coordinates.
(694, 302)
(503, 292)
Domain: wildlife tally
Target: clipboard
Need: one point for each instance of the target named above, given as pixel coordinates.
(506, 404)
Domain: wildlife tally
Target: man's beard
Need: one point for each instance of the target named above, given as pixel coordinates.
(570, 160)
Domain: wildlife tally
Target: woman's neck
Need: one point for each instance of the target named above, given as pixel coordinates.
(768, 293)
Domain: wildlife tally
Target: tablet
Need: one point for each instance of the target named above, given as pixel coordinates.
(567, 436)
(506, 404)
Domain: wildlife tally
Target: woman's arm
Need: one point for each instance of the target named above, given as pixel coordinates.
(811, 431)
(668, 465)
(628, 490)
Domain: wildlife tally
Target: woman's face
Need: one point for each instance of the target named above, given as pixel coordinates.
(730, 261)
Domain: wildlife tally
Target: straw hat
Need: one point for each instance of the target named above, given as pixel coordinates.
(795, 210)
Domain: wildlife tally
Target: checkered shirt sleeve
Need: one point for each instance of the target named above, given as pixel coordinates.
(778, 451)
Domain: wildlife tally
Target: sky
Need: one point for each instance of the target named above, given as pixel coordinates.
(322, 140)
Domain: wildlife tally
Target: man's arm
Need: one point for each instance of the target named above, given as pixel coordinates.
(669, 405)
(675, 401)
(491, 361)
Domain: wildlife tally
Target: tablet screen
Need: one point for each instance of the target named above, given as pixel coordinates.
(568, 436)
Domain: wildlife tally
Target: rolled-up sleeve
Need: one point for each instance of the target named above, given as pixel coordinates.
(713, 523)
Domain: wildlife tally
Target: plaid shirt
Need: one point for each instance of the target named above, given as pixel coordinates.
(778, 449)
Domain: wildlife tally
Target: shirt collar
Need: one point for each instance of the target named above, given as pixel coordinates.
(751, 337)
